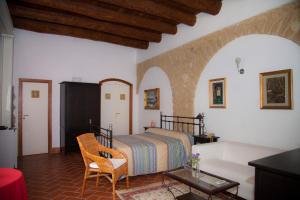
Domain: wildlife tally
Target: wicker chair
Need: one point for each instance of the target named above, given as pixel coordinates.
(96, 166)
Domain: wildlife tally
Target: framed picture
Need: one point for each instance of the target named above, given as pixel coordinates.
(276, 89)
(122, 96)
(107, 96)
(35, 94)
(217, 93)
(151, 99)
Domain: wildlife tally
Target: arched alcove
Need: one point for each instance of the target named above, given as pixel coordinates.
(155, 78)
(243, 120)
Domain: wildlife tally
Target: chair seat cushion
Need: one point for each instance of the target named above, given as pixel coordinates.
(93, 165)
(115, 162)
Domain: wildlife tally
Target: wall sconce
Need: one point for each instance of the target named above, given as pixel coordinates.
(238, 61)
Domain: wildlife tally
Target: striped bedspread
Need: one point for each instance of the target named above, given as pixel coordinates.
(154, 151)
(143, 153)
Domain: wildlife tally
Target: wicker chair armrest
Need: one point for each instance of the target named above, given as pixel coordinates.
(113, 152)
(103, 163)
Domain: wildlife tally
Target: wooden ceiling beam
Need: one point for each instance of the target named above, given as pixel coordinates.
(46, 27)
(156, 9)
(96, 12)
(173, 4)
(209, 6)
(83, 22)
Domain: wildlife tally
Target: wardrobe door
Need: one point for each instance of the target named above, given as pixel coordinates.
(82, 111)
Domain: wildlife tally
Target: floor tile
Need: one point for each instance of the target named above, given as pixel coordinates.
(59, 177)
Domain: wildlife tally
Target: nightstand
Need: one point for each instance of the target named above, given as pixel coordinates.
(204, 139)
(146, 127)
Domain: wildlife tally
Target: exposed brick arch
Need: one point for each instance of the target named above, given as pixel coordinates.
(184, 65)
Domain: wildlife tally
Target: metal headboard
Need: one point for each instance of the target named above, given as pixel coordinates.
(182, 124)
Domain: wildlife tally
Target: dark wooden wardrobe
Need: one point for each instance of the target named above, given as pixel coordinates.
(79, 112)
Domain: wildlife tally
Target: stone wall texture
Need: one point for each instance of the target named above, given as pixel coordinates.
(184, 64)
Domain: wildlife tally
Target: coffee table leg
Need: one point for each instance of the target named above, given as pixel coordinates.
(237, 191)
(163, 182)
(209, 197)
(168, 187)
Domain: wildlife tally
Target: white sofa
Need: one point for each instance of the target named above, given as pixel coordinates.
(230, 160)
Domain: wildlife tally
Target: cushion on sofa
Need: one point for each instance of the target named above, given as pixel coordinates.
(227, 167)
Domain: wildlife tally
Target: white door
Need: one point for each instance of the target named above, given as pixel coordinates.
(35, 118)
(115, 107)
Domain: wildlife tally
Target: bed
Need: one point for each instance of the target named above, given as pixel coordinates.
(157, 149)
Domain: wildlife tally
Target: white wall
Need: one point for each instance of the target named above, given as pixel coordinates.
(232, 11)
(59, 58)
(243, 120)
(155, 77)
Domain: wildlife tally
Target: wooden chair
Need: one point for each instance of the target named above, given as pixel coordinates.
(96, 166)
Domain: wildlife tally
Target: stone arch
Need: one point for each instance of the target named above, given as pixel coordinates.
(184, 64)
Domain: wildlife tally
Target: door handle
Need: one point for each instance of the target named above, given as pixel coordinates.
(24, 116)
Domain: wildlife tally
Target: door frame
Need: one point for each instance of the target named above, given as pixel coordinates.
(130, 98)
(20, 112)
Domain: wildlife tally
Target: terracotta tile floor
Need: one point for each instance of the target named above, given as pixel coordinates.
(59, 177)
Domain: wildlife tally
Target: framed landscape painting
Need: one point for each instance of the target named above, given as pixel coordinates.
(276, 89)
(217, 93)
(151, 99)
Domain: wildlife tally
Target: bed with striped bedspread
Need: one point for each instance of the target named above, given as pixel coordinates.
(154, 151)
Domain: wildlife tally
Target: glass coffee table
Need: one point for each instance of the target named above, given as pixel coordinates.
(208, 183)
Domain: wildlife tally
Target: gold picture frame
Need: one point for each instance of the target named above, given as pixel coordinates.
(152, 99)
(276, 89)
(217, 93)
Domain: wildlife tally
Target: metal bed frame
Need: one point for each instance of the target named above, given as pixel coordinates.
(183, 124)
(176, 123)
